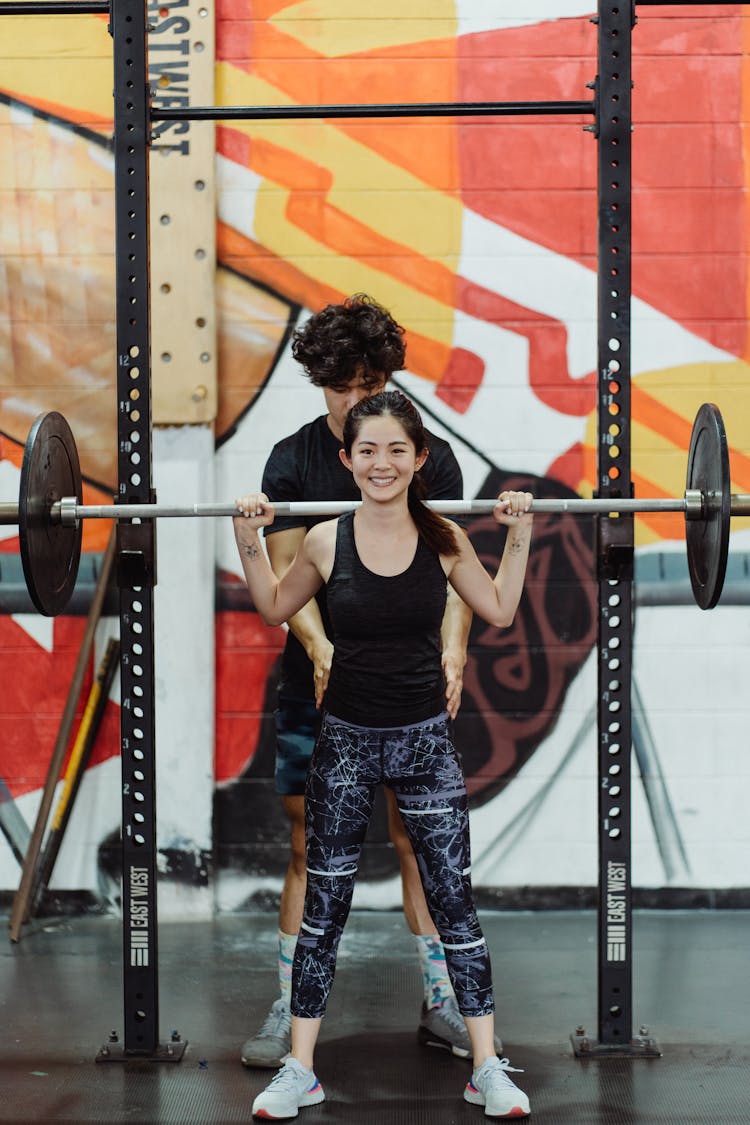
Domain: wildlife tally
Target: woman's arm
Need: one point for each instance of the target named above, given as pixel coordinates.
(496, 600)
(276, 599)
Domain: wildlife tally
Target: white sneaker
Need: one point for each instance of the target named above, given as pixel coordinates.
(491, 1087)
(293, 1087)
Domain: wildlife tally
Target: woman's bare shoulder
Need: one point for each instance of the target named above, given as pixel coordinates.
(320, 541)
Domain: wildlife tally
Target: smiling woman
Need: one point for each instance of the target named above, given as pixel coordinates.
(385, 567)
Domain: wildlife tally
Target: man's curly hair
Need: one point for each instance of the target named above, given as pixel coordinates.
(358, 339)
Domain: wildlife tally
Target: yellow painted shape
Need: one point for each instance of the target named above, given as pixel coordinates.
(44, 40)
(401, 212)
(63, 60)
(343, 273)
(82, 88)
(331, 27)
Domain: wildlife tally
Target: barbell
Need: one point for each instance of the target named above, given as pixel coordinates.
(49, 510)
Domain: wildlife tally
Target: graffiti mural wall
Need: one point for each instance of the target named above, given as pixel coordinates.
(480, 235)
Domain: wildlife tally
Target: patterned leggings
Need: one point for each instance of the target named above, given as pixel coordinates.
(420, 764)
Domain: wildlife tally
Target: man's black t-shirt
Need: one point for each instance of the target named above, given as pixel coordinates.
(306, 466)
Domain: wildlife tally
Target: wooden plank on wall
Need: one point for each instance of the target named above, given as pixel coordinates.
(183, 216)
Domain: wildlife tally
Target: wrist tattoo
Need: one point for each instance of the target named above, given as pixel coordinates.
(515, 546)
(251, 551)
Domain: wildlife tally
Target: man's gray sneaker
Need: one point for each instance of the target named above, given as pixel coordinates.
(293, 1087)
(274, 1040)
(443, 1026)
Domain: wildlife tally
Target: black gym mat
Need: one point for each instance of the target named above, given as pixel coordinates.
(60, 996)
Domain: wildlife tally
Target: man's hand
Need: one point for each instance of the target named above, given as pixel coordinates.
(320, 653)
(454, 661)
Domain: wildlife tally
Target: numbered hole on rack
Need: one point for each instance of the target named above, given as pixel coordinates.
(615, 1010)
(613, 599)
(614, 812)
(614, 706)
(614, 664)
(614, 833)
(613, 685)
(614, 728)
(614, 790)
(139, 840)
(138, 796)
(614, 749)
(615, 769)
(138, 775)
(138, 712)
(139, 818)
(613, 642)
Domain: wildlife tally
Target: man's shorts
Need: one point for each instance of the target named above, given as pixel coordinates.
(297, 727)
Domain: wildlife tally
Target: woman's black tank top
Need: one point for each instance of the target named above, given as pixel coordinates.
(386, 668)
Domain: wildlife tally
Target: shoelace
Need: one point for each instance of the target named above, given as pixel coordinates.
(288, 1078)
(449, 1011)
(498, 1074)
(278, 1021)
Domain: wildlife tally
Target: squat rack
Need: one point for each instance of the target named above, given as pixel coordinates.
(611, 110)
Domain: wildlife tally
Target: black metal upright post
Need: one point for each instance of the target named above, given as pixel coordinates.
(616, 19)
(136, 570)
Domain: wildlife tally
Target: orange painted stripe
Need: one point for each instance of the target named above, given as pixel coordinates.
(428, 75)
(649, 411)
(69, 113)
(657, 416)
(427, 358)
(273, 162)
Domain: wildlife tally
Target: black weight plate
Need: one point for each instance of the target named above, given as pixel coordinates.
(708, 537)
(50, 553)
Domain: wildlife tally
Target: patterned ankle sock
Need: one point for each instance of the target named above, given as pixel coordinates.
(287, 946)
(437, 985)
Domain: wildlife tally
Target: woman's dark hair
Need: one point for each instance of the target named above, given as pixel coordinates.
(436, 532)
(357, 339)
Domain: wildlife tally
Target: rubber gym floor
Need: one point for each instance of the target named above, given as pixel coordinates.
(61, 996)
